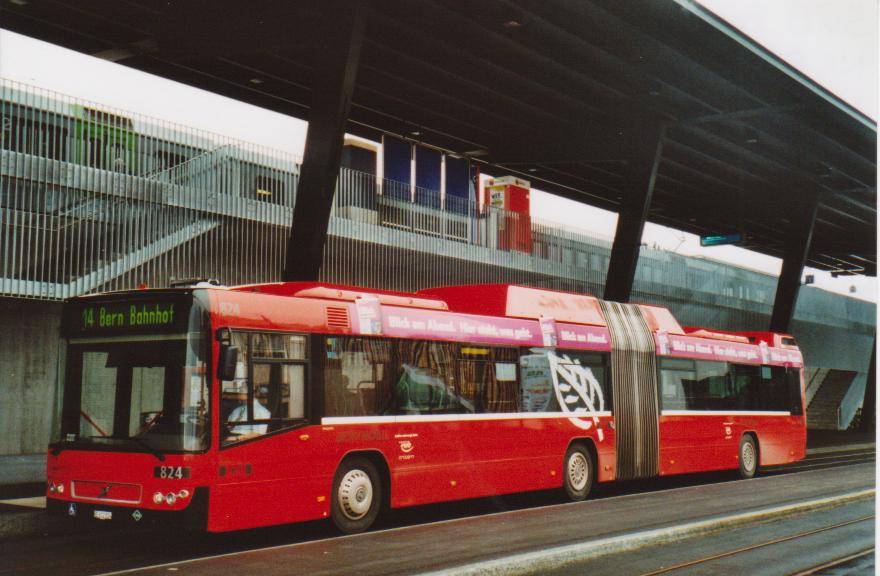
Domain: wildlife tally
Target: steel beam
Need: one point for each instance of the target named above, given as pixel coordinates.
(335, 68)
(797, 247)
(637, 193)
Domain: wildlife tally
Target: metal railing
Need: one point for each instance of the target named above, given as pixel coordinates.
(94, 198)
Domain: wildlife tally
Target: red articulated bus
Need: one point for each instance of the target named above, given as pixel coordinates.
(233, 408)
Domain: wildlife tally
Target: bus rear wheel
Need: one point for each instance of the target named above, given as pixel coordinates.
(748, 457)
(357, 495)
(578, 471)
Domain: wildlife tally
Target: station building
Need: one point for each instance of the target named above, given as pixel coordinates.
(95, 199)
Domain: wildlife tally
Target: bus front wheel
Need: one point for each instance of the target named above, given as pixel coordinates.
(578, 472)
(748, 457)
(357, 495)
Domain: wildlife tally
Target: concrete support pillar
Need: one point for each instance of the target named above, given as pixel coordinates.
(335, 67)
(869, 403)
(639, 187)
(797, 247)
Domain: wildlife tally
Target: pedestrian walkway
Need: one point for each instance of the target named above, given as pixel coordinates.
(820, 441)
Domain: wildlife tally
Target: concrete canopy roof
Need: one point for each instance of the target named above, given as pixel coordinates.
(557, 91)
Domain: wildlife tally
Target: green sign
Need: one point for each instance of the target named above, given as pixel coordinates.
(131, 316)
(720, 239)
(127, 315)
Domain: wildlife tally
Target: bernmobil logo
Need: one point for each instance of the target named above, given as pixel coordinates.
(406, 446)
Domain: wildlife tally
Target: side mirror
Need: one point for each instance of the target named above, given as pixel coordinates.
(228, 362)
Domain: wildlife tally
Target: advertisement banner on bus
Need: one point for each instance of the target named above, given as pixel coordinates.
(415, 323)
(700, 348)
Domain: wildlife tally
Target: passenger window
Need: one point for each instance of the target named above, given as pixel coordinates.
(268, 390)
(703, 385)
(357, 376)
(793, 376)
(425, 382)
(563, 381)
(366, 376)
(674, 374)
(487, 378)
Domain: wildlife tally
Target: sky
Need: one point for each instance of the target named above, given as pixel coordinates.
(832, 41)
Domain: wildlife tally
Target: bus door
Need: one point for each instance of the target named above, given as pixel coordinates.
(634, 385)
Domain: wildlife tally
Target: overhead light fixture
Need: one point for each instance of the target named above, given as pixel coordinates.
(752, 141)
(477, 153)
(533, 170)
(416, 133)
(512, 24)
(654, 93)
(255, 81)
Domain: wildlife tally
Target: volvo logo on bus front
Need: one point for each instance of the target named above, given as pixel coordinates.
(577, 391)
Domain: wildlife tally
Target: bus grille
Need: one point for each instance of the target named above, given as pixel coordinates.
(337, 317)
(106, 491)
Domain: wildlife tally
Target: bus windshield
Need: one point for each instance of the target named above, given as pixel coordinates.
(136, 392)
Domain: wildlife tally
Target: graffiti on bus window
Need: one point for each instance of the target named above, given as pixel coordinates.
(577, 391)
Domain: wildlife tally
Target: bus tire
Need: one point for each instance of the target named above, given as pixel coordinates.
(748, 457)
(357, 495)
(578, 472)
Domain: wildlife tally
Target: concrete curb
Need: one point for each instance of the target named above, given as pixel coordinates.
(843, 448)
(544, 561)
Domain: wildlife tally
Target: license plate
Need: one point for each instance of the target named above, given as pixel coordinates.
(103, 514)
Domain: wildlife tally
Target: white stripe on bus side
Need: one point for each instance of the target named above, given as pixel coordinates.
(415, 418)
(724, 413)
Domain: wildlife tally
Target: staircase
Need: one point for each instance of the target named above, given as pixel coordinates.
(822, 411)
(195, 169)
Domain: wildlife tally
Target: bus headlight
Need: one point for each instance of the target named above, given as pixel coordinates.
(60, 488)
(183, 494)
(158, 498)
(170, 498)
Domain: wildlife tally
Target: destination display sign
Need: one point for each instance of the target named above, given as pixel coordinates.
(132, 316)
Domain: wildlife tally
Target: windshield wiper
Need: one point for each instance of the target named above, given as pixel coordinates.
(149, 448)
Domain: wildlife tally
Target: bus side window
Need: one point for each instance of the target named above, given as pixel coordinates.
(747, 386)
(544, 373)
(677, 377)
(793, 377)
(487, 379)
(426, 380)
(268, 391)
(356, 375)
(501, 387)
(775, 388)
(782, 389)
(234, 392)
